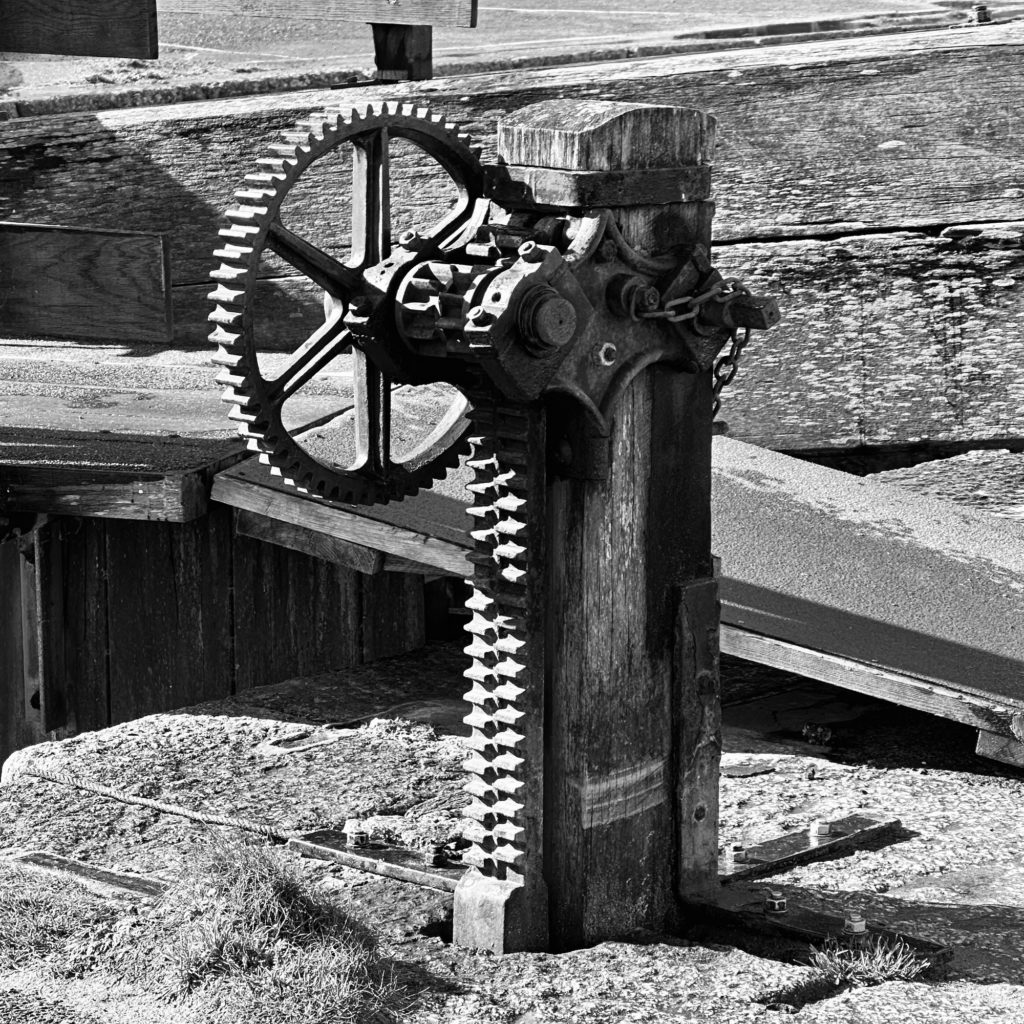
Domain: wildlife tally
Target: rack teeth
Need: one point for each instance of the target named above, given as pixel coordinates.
(497, 717)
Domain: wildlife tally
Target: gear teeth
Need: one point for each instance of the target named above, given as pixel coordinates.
(242, 242)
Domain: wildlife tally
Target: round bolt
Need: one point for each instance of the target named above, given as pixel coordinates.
(647, 298)
(775, 903)
(855, 924)
(607, 354)
(545, 319)
(531, 252)
(479, 317)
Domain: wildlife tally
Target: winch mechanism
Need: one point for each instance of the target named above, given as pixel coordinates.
(509, 299)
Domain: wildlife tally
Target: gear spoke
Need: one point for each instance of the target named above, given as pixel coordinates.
(314, 263)
(325, 345)
(371, 198)
(259, 399)
(373, 418)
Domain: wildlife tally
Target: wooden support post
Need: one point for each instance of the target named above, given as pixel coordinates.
(403, 52)
(628, 775)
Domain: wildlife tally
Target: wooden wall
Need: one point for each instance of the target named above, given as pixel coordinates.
(839, 167)
(131, 618)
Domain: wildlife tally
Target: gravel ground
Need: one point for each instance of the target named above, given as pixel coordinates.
(952, 874)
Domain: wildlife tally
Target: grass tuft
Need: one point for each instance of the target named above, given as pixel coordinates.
(240, 938)
(873, 960)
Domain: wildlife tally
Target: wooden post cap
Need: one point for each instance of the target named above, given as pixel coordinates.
(599, 135)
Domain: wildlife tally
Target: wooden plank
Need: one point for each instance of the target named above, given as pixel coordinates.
(884, 339)
(792, 848)
(18, 728)
(403, 53)
(309, 542)
(86, 639)
(997, 717)
(826, 561)
(293, 614)
(81, 28)
(446, 13)
(58, 282)
(742, 907)
(1008, 749)
(393, 618)
(181, 163)
(245, 487)
(169, 614)
(53, 677)
(175, 497)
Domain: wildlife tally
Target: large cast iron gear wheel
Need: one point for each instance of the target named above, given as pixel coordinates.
(255, 225)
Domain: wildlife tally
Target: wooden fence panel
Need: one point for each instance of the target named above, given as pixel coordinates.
(82, 28)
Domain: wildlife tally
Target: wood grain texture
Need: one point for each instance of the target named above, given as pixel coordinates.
(870, 573)
(391, 529)
(884, 339)
(60, 282)
(294, 615)
(392, 617)
(77, 489)
(449, 13)
(1000, 748)
(82, 28)
(700, 735)
(180, 164)
(53, 678)
(85, 627)
(987, 714)
(18, 727)
(309, 542)
(169, 614)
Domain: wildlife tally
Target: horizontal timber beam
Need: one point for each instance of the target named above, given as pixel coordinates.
(447, 13)
(80, 28)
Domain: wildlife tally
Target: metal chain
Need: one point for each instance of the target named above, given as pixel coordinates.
(726, 367)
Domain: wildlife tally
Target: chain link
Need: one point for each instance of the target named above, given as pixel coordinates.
(724, 291)
(726, 367)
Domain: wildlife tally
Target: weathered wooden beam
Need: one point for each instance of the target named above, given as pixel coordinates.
(81, 28)
(82, 283)
(886, 339)
(63, 480)
(181, 163)
(863, 585)
(403, 53)
(392, 529)
(447, 13)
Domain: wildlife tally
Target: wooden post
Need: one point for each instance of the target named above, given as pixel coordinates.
(628, 775)
(403, 52)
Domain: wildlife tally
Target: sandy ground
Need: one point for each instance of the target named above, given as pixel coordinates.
(952, 872)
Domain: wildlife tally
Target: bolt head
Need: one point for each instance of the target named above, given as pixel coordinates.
(607, 354)
(531, 252)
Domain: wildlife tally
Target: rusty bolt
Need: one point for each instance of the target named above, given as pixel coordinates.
(546, 319)
(359, 838)
(775, 903)
(479, 317)
(855, 924)
(531, 252)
